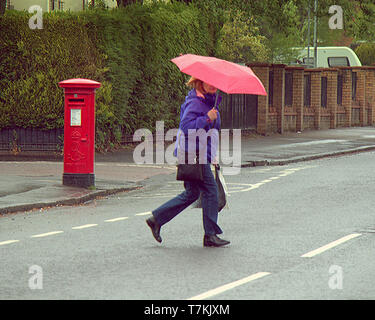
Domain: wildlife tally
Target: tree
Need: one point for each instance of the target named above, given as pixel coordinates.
(240, 41)
(280, 23)
(358, 17)
(361, 21)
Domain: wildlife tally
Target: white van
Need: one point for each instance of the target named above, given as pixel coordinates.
(329, 57)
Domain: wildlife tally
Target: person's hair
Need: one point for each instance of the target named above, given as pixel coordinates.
(196, 84)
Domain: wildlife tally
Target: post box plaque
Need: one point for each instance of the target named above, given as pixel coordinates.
(75, 117)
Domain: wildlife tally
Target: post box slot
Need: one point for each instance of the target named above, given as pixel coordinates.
(76, 100)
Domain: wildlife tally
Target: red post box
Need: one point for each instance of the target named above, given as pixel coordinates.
(79, 132)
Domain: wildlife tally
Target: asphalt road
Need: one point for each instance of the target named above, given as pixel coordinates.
(302, 231)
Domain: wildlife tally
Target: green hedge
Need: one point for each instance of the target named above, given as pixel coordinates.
(128, 50)
(366, 53)
(33, 62)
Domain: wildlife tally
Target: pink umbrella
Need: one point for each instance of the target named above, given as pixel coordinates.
(227, 76)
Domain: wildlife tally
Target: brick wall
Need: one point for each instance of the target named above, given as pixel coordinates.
(325, 98)
(262, 71)
(370, 94)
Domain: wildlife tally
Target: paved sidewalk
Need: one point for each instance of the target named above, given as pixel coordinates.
(308, 145)
(27, 185)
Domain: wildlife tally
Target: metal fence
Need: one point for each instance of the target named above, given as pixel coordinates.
(288, 92)
(31, 139)
(239, 111)
(323, 91)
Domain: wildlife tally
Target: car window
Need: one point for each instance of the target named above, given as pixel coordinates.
(308, 60)
(338, 61)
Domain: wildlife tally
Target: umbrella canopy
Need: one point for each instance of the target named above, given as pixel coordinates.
(227, 76)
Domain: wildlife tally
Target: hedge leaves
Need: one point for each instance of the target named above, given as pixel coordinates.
(128, 50)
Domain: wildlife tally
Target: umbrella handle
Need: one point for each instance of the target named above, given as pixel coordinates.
(217, 96)
(215, 107)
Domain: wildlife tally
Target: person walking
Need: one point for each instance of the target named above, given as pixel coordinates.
(197, 112)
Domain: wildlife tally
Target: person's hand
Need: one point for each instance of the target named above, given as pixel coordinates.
(212, 114)
(215, 161)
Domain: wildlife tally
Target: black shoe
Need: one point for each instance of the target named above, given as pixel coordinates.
(155, 228)
(214, 241)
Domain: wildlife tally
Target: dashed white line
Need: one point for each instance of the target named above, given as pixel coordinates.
(330, 245)
(144, 213)
(116, 219)
(266, 180)
(229, 286)
(8, 242)
(41, 235)
(84, 226)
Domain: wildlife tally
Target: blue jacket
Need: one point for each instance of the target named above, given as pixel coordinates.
(194, 116)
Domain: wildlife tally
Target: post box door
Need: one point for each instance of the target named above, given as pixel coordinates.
(78, 151)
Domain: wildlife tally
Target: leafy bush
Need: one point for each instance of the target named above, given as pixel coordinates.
(128, 50)
(35, 61)
(366, 53)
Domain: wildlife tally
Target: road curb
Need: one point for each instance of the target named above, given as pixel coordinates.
(66, 202)
(259, 163)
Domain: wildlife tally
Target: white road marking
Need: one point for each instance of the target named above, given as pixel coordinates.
(46, 234)
(252, 187)
(229, 286)
(84, 226)
(239, 184)
(8, 242)
(237, 187)
(330, 245)
(232, 186)
(143, 213)
(116, 219)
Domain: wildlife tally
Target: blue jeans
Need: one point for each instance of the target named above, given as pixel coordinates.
(208, 187)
